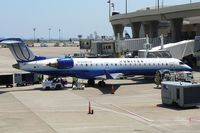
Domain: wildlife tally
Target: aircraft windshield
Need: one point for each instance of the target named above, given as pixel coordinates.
(181, 63)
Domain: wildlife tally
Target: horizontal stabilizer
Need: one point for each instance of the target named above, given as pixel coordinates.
(10, 42)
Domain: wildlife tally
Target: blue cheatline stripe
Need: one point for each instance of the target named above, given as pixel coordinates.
(90, 74)
(23, 53)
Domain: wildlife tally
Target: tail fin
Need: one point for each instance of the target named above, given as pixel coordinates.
(20, 50)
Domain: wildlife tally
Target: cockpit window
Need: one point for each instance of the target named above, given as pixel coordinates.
(181, 63)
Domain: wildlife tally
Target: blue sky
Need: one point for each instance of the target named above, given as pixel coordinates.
(19, 17)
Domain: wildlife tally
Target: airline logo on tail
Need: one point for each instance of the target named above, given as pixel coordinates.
(19, 49)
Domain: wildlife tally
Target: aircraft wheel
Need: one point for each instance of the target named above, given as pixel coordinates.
(102, 84)
(91, 82)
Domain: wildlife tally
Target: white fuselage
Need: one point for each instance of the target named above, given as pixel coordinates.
(93, 67)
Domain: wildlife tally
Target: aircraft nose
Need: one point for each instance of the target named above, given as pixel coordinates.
(188, 68)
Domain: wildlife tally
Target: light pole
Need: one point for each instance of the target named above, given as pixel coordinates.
(126, 6)
(109, 3)
(59, 33)
(190, 1)
(158, 4)
(113, 6)
(49, 33)
(34, 33)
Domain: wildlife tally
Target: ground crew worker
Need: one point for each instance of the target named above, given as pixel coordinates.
(40, 78)
(74, 81)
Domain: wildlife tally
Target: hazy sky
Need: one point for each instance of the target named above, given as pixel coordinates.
(73, 17)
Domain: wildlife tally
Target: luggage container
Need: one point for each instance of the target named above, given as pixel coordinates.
(27, 78)
(184, 94)
(6, 79)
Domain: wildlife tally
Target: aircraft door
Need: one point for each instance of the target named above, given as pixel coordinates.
(172, 66)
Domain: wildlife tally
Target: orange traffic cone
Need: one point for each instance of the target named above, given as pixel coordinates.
(113, 90)
(89, 112)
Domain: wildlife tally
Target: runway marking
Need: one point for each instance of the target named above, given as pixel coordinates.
(134, 114)
(93, 127)
(165, 121)
(191, 119)
(194, 119)
(139, 116)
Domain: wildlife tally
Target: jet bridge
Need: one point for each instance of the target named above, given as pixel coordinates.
(181, 49)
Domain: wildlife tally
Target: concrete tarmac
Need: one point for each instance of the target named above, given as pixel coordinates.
(135, 107)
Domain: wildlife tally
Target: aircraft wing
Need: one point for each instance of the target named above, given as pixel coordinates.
(117, 75)
(110, 76)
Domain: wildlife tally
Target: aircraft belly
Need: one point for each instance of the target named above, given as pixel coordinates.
(88, 74)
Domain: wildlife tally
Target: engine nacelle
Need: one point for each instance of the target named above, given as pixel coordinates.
(65, 63)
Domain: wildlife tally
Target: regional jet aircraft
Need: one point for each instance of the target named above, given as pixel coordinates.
(88, 68)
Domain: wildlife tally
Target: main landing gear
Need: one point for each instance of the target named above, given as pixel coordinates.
(91, 82)
(102, 83)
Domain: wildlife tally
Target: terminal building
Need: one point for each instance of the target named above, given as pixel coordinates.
(177, 22)
(179, 26)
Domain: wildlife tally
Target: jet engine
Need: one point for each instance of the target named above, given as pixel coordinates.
(63, 63)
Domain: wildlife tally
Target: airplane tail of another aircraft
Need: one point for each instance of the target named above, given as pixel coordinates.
(20, 50)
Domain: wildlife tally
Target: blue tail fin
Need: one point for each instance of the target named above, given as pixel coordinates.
(20, 50)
